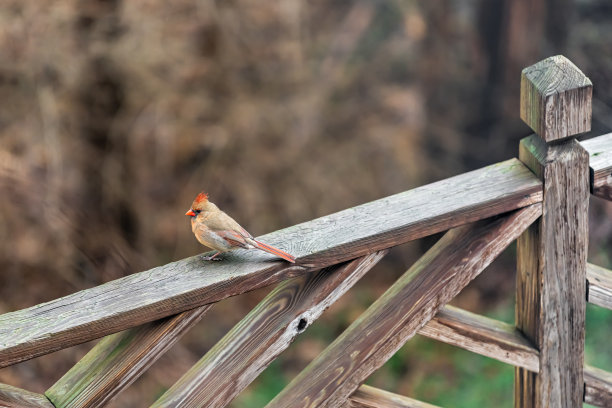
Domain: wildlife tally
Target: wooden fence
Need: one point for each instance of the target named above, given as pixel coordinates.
(540, 199)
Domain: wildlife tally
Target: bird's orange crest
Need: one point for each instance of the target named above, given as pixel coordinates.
(201, 197)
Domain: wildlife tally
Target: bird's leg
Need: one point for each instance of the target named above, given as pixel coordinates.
(212, 258)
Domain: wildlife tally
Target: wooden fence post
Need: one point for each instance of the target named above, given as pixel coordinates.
(551, 264)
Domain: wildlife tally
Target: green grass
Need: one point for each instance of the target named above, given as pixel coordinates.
(445, 375)
(269, 383)
(598, 333)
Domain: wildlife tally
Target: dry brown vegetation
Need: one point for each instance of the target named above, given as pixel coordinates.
(115, 114)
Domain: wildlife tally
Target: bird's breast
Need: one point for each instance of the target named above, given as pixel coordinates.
(211, 239)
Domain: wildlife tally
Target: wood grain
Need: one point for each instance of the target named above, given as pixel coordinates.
(482, 335)
(118, 360)
(600, 163)
(459, 256)
(13, 397)
(599, 286)
(556, 99)
(551, 276)
(598, 387)
(170, 289)
(237, 359)
(370, 397)
(597, 382)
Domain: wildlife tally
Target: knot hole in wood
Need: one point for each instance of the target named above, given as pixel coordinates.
(302, 325)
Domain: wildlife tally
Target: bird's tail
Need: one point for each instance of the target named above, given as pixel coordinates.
(275, 251)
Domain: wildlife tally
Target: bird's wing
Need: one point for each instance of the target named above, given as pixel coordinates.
(222, 222)
(234, 238)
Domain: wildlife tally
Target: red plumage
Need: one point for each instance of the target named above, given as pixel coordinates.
(201, 197)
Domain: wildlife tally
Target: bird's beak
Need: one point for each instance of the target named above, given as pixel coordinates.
(190, 213)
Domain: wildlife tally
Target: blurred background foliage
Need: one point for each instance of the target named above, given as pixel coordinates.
(115, 114)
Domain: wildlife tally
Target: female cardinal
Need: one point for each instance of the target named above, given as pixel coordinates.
(217, 230)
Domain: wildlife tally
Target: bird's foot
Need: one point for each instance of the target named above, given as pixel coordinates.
(211, 258)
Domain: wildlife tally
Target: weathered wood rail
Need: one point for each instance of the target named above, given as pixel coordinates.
(540, 200)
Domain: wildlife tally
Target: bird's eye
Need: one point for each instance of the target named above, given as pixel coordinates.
(197, 211)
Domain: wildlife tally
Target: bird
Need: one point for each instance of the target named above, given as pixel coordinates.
(215, 229)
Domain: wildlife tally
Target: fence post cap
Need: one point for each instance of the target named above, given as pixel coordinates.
(556, 98)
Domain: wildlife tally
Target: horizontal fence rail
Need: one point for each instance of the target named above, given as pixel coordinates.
(482, 335)
(192, 282)
(597, 387)
(599, 286)
(370, 397)
(600, 163)
(501, 341)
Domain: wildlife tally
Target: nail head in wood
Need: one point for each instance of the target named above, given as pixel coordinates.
(556, 98)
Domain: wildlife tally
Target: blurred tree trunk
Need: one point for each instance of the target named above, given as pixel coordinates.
(514, 34)
(105, 227)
